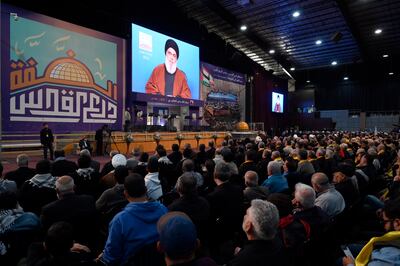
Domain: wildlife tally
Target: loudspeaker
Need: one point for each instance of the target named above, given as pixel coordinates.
(337, 36)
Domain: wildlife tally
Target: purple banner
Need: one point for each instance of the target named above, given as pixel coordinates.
(224, 95)
(143, 97)
(60, 73)
(223, 74)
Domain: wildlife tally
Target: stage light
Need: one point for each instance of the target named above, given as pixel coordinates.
(391, 73)
(308, 81)
(385, 55)
(318, 42)
(296, 14)
(272, 51)
(334, 63)
(346, 78)
(243, 27)
(292, 69)
(378, 31)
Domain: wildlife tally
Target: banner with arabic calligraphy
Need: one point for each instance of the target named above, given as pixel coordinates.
(60, 73)
(224, 96)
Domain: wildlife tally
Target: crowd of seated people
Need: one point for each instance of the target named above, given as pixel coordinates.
(289, 200)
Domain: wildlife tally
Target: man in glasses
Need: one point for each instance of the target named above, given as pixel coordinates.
(384, 250)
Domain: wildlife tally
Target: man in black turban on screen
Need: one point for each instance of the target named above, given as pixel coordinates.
(166, 79)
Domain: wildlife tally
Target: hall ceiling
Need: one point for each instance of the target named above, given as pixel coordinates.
(345, 29)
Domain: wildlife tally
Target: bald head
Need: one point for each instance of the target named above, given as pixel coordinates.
(85, 152)
(64, 184)
(320, 181)
(251, 178)
(275, 154)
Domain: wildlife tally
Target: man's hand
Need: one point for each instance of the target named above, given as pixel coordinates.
(99, 257)
(237, 250)
(79, 248)
(347, 260)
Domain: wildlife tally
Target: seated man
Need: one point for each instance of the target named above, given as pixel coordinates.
(135, 226)
(61, 166)
(305, 209)
(304, 167)
(93, 163)
(196, 207)
(78, 210)
(152, 181)
(59, 248)
(263, 246)
(114, 196)
(226, 206)
(253, 190)
(23, 172)
(13, 220)
(382, 250)
(328, 198)
(178, 240)
(276, 182)
(39, 190)
(84, 144)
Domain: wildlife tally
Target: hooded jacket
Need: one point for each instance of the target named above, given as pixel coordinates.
(130, 230)
(153, 184)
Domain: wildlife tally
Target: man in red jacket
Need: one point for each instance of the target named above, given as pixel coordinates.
(166, 79)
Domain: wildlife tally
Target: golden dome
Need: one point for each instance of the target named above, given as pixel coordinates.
(242, 126)
(69, 71)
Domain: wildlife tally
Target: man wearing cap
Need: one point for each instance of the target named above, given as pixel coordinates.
(178, 241)
(166, 79)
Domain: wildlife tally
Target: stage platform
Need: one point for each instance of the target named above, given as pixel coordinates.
(30, 144)
(145, 141)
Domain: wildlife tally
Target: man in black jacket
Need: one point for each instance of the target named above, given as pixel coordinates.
(47, 139)
(39, 190)
(263, 246)
(61, 166)
(196, 207)
(78, 210)
(226, 207)
(23, 172)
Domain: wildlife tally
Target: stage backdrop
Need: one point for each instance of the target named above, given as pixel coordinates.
(223, 93)
(56, 72)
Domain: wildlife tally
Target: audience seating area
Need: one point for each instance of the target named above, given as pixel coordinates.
(276, 200)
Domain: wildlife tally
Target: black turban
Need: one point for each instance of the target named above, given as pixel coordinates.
(172, 44)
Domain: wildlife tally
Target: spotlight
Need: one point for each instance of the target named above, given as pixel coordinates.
(378, 31)
(308, 81)
(385, 55)
(292, 69)
(272, 51)
(391, 73)
(318, 42)
(243, 27)
(346, 78)
(296, 14)
(334, 63)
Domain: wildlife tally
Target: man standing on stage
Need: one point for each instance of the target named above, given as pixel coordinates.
(47, 139)
(127, 118)
(99, 140)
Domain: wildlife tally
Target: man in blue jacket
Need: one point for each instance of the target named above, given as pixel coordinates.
(276, 182)
(135, 226)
